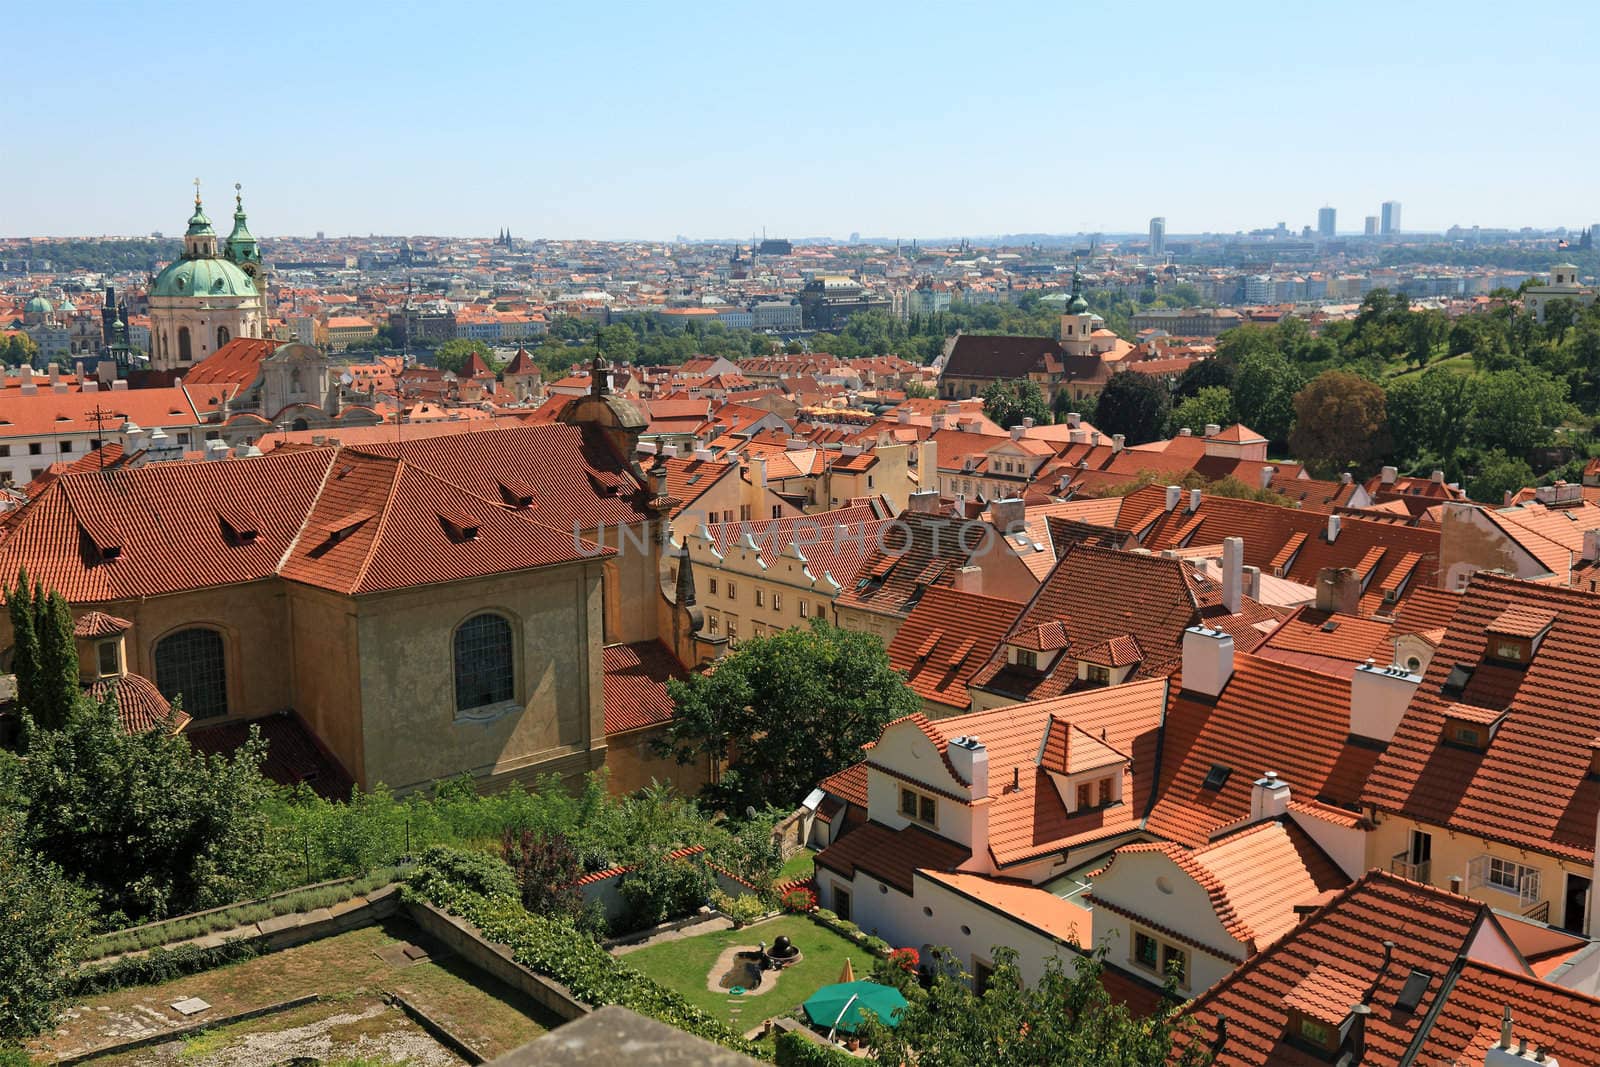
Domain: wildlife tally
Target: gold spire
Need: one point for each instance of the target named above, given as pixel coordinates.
(197, 192)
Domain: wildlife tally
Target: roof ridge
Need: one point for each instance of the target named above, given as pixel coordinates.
(311, 507)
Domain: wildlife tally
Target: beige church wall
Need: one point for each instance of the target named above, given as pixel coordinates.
(252, 619)
(411, 731)
(325, 651)
(631, 614)
(631, 764)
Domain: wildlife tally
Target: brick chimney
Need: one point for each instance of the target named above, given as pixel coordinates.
(1269, 797)
(924, 502)
(1008, 514)
(1339, 590)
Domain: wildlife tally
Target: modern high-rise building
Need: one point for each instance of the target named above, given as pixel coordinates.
(1371, 228)
(1158, 236)
(1391, 217)
(1325, 221)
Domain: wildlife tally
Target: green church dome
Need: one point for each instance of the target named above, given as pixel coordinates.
(39, 306)
(202, 277)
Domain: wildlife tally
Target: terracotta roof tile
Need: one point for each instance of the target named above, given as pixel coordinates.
(891, 855)
(636, 685)
(944, 621)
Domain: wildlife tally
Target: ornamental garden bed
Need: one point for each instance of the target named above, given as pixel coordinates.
(686, 966)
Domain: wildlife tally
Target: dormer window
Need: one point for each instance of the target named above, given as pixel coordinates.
(1027, 658)
(1467, 726)
(919, 807)
(109, 655)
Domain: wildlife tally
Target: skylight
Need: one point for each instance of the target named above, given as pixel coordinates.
(1411, 993)
(1216, 777)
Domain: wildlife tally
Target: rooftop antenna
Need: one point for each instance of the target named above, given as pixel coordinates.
(100, 415)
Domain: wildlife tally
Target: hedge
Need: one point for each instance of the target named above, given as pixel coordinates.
(162, 965)
(793, 1050)
(185, 927)
(557, 949)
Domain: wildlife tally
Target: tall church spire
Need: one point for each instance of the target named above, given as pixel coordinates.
(241, 245)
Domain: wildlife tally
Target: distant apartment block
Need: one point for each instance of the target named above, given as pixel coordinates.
(1327, 219)
(1187, 322)
(1391, 217)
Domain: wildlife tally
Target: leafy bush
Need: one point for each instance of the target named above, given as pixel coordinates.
(800, 900)
(473, 872)
(559, 950)
(662, 888)
(161, 965)
(906, 959)
(743, 909)
(44, 920)
(794, 1050)
(546, 867)
(876, 945)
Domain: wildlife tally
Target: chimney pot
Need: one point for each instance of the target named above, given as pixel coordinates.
(1174, 494)
(1232, 573)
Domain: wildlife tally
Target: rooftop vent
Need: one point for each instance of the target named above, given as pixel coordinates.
(459, 525)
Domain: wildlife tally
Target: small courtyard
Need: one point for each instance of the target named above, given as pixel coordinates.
(352, 973)
(695, 965)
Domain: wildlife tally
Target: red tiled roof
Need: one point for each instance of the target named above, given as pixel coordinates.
(236, 363)
(1551, 713)
(1338, 954)
(945, 621)
(1270, 716)
(891, 855)
(294, 755)
(140, 705)
(849, 784)
(636, 685)
(99, 624)
(833, 543)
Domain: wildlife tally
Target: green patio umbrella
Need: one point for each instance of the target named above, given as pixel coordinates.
(839, 1006)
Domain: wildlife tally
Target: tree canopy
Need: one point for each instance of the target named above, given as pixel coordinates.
(1066, 1018)
(1009, 402)
(790, 709)
(1134, 405)
(1340, 421)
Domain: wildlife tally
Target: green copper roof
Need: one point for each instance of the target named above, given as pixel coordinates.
(39, 306)
(1078, 305)
(199, 225)
(202, 277)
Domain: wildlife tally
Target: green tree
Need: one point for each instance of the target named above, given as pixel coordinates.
(1009, 402)
(45, 660)
(1339, 422)
(1430, 416)
(1212, 404)
(1066, 1018)
(452, 355)
(918, 390)
(618, 343)
(1203, 374)
(1498, 474)
(790, 708)
(1517, 410)
(19, 348)
(1134, 405)
(46, 920)
(151, 826)
(1425, 332)
(1263, 393)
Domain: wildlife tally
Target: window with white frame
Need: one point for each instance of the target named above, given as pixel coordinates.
(919, 807)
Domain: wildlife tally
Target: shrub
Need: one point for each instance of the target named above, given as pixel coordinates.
(799, 900)
(557, 949)
(794, 1050)
(877, 946)
(472, 872)
(661, 889)
(743, 909)
(546, 867)
(161, 965)
(906, 959)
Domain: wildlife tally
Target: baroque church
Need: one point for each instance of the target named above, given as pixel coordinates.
(208, 296)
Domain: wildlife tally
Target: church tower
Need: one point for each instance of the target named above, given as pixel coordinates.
(204, 299)
(1079, 323)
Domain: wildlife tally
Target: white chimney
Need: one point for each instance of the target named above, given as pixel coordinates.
(904, 417)
(1077, 437)
(1437, 477)
(1269, 797)
(704, 455)
(1186, 432)
(1194, 500)
(1207, 660)
(1016, 432)
(1118, 442)
(1252, 582)
(1232, 573)
(1388, 475)
(1027, 422)
(91, 386)
(1346, 478)
(1073, 419)
(58, 386)
(1591, 545)
(1266, 475)
(1008, 514)
(120, 385)
(938, 421)
(971, 762)
(29, 388)
(1212, 429)
(1174, 494)
(969, 580)
(216, 449)
(1511, 1051)
(758, 471)
(1333, 528)
(1379, 697)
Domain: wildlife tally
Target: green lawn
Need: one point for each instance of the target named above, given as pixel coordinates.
(798, 865)
(685, 966)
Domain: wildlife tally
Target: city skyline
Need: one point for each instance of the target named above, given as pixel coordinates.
(572, 124)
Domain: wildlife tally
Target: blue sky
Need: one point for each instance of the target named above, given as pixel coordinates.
(592, 119)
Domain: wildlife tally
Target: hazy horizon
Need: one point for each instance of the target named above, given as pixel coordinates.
(714, 121)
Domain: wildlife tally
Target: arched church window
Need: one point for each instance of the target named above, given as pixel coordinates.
(299, 424)
(185, 351)
(294, 380)
(483, 662)
(222, 336)
(191, 664)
